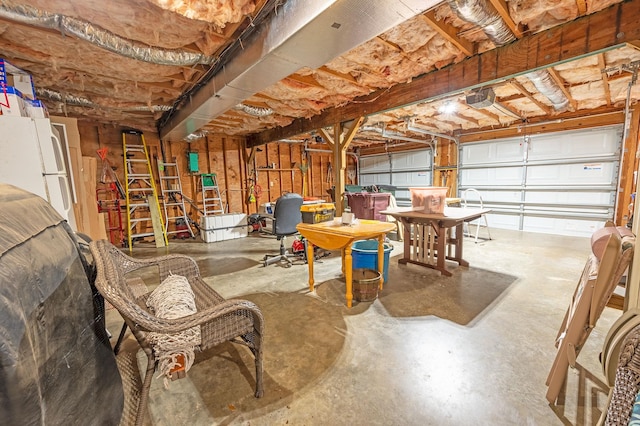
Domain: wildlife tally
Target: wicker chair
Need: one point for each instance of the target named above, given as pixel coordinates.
(626, 385)
(220, 320)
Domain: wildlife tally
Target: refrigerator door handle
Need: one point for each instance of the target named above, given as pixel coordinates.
(57, 149)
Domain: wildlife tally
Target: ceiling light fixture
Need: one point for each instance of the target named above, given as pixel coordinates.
(448, 107)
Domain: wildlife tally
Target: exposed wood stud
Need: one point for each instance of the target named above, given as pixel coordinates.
(561, 83)
(467, 118)
(449, 32)
(582, 7)
(503, 9)
(346, 77)
(395, 47)
(515, 83)
(306, 80)
(540, 50)
(484, 112)
(605, 78)
(514, 112)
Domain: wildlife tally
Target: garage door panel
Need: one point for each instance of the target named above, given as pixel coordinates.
(411, 160)
(572, 198)
(571, 174)
(375, 179)
(412, 179)
(568, 180)
(403, 197)
(491, 176)
(501, 196)
(483, 153)
(490, 196)
(503, 221)
(563, 146)
(374, 163)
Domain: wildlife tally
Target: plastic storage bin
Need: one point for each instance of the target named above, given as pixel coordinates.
(223, 227)
(429, 200)
(354, 188)
(316, 213)
(365, 255)
(367, 205)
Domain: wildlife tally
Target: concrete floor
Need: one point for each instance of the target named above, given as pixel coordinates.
(474, 348)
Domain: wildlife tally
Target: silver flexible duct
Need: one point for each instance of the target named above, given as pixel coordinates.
(484, 15)
(254, 110)
(52, 95)
(548, 87)
(99, 37)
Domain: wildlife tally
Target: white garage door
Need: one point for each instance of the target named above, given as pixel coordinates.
(562, 183)
(400, 169)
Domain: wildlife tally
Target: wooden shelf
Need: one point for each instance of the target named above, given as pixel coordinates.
(268, 169)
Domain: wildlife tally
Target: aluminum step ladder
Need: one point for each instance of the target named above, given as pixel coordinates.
(172, 199)
(211, 199)
(143, 209)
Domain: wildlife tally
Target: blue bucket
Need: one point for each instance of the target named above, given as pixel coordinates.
(365, 255)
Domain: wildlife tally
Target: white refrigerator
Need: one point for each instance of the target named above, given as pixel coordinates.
(32, 158)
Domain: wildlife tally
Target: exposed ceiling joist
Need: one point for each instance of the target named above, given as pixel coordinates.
(605, 78)
(307, 80)
(583, 36)
(563, 87)
(582, 6)
(516, 84)
(283, 44)
(484, 112)
(503, 9)
(449, 32)
(467, 118)
(346, 77)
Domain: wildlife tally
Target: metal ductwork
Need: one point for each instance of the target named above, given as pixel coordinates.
(393, 135)
(303, 33)
(100, 37)
(66, 99)
(412, 128)
(548, 87)
(484, 15)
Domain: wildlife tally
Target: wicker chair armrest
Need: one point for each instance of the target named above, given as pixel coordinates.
(147, 322)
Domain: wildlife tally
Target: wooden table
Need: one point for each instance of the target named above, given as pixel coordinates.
(427, 237)
(332, 236)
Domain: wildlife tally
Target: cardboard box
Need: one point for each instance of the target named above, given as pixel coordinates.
(223, 227)
(35, 109)
(12, 102)
(13, 76)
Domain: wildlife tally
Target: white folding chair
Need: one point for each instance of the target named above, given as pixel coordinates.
(481, 222)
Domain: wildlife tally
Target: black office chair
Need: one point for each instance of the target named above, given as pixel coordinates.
(286, 215)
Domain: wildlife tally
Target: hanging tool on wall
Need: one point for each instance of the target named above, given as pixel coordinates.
(329, 173)
(303, 168)
(444, 176)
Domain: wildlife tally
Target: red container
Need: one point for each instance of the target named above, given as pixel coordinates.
(367, 205)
